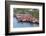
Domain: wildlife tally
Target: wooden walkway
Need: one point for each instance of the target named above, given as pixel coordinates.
(26, 18)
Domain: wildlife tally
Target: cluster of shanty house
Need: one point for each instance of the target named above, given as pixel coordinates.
(26, 17)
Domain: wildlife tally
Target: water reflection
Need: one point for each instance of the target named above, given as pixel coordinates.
(17, 24)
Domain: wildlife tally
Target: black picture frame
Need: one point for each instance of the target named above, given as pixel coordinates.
(7, 9)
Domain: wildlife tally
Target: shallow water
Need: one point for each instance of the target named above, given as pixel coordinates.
(17, 24)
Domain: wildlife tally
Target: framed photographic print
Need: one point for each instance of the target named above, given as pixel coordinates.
(24, 17)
